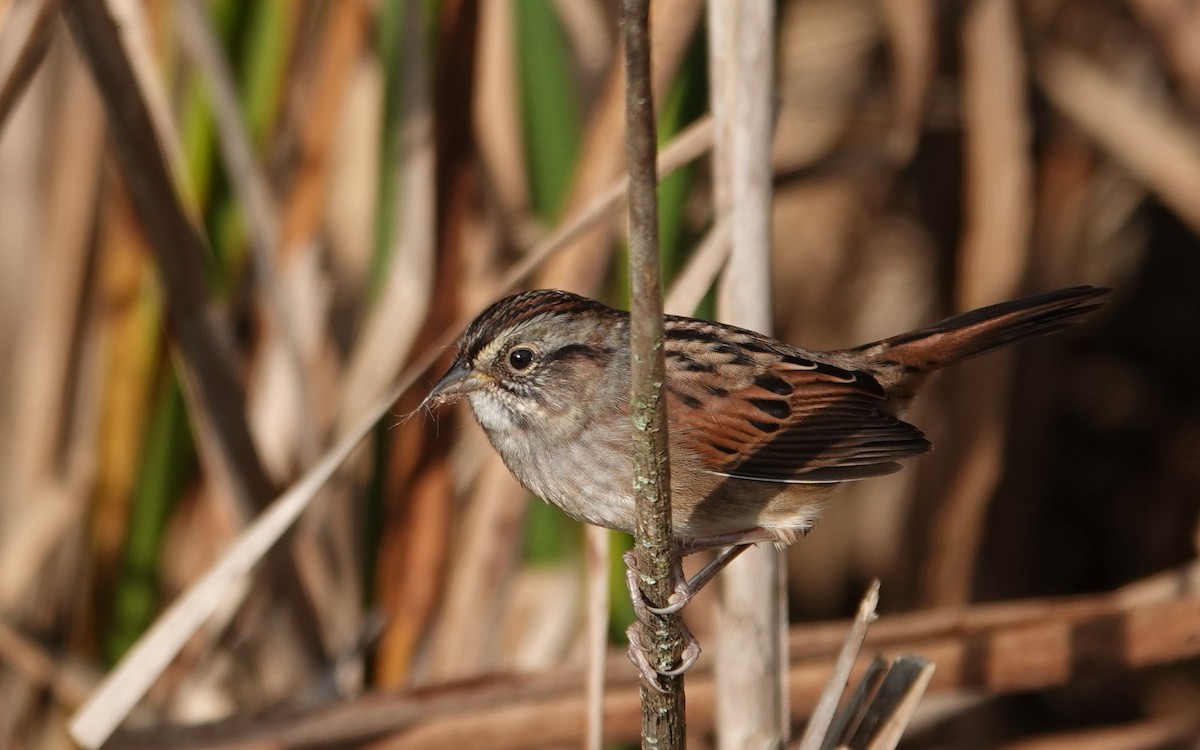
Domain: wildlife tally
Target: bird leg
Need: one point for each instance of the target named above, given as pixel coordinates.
(696, 544)
(639, 652)
(730, 546)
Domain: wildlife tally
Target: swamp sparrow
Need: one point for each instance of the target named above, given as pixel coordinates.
(760, 431)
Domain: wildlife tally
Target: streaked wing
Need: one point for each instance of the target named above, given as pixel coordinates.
(778, 414)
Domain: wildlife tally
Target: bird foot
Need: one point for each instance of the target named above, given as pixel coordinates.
(639, 654)
(680, 596)
(685, 588)
(683, 592)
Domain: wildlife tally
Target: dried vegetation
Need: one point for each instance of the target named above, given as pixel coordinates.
(206, 302)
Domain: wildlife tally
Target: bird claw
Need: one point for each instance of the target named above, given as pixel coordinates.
(641, 606)
(675, 602)
(639, 655)
(643, 609)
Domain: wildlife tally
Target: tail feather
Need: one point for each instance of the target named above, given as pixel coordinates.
(905, 359)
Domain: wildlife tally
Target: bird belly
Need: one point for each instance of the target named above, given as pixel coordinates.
(587, 480)
(579, 482)
(596, 486)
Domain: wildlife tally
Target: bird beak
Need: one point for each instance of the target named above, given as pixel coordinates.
(458, 381)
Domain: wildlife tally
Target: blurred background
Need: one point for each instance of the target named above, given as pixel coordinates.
(358, 177)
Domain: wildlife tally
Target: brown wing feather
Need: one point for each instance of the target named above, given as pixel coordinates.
(782, 415)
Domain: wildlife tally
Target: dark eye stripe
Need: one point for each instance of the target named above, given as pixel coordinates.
(580, 351)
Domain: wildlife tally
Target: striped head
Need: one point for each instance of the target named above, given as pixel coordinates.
(524, 357)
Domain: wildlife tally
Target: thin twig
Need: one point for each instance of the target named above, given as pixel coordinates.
(597, 554)
(662, 703)
(822, 717)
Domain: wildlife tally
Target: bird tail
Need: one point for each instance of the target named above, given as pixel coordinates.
(904, 360)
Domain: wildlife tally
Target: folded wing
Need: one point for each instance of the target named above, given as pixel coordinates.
(779, 414)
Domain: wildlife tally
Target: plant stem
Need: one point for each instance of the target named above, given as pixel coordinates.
(662, 710)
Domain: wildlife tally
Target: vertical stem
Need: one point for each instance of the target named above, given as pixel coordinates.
(598, 555)
(750, 689)
(662, 711)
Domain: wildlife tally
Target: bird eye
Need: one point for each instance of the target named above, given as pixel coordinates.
(520, 358)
